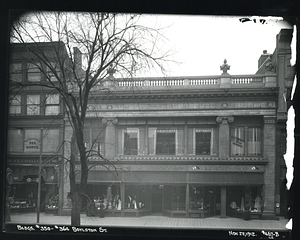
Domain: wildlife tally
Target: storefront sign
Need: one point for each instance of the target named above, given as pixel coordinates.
(32, 145)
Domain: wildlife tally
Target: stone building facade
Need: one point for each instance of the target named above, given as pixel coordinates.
(191, 146)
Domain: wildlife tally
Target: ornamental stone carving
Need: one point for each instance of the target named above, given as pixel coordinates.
(230, 119)
(107, 121)
(225, 67)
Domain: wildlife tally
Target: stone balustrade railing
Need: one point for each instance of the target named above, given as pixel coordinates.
(201, 82)
(221, 81)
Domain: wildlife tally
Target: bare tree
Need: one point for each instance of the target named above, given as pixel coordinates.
(108, 42)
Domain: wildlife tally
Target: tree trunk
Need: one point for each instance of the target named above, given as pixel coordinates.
(75, 196)
(76, 207)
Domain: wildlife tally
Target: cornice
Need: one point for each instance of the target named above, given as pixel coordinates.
(192, 94)
(183, 160)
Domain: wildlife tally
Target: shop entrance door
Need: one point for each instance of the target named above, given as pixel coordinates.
(157, 200)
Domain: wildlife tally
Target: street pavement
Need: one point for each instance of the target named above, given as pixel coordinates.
(157, 222)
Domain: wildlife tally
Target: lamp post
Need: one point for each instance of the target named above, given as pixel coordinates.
(39, 180)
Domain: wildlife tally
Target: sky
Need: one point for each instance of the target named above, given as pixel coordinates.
(201, 43)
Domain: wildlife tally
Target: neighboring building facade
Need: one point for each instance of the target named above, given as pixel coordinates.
(32, 109)
(177, 146)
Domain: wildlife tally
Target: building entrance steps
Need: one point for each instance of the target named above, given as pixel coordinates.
(156, 222)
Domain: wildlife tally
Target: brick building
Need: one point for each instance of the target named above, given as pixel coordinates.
(35, 116)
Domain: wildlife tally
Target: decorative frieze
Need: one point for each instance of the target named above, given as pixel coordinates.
(94, 108)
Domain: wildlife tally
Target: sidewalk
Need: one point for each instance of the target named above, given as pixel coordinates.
(156, 222)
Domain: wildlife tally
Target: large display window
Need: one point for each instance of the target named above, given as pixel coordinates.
(175, 197)
(137, 197)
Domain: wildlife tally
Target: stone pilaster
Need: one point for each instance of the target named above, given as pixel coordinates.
(224, 136)
(110, 136)
(269, 176)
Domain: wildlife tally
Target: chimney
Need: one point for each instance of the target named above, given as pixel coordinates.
(77, 58)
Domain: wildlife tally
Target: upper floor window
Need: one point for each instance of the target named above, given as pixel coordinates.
(52, 106)
(15, 140)
(16, 72)
(52, 71)
(33, 104)
(245, 141)
(94, 139)
(201, 141)
(28, 140)
(15, 105)
(165, 141)
(34, 72)
(131, 141)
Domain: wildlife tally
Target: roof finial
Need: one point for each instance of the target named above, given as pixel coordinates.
(225, 67)
(111, 71)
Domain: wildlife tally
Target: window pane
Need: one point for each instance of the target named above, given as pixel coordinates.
(52, 110)
(237, 141)
(165, 142)
(190, 142)
(131, 141)
(142, 147)
(52, 104)
(34, 73)
(32, 140)
(120, 141)
(52, 99)
(51, 73)
(152, 141)
(51, 140)
(16, 72)
(15, 105)
(15, 140)
(179, 142)
(203, 140)
(254, 141)
(33, 105)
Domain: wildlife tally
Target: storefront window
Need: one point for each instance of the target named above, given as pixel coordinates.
(137, 197)
(174, 197)
(244, 199)
(202, 198)
(245, 141)
(105, 195)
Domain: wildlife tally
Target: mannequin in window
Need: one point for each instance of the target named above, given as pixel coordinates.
(257, 203)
